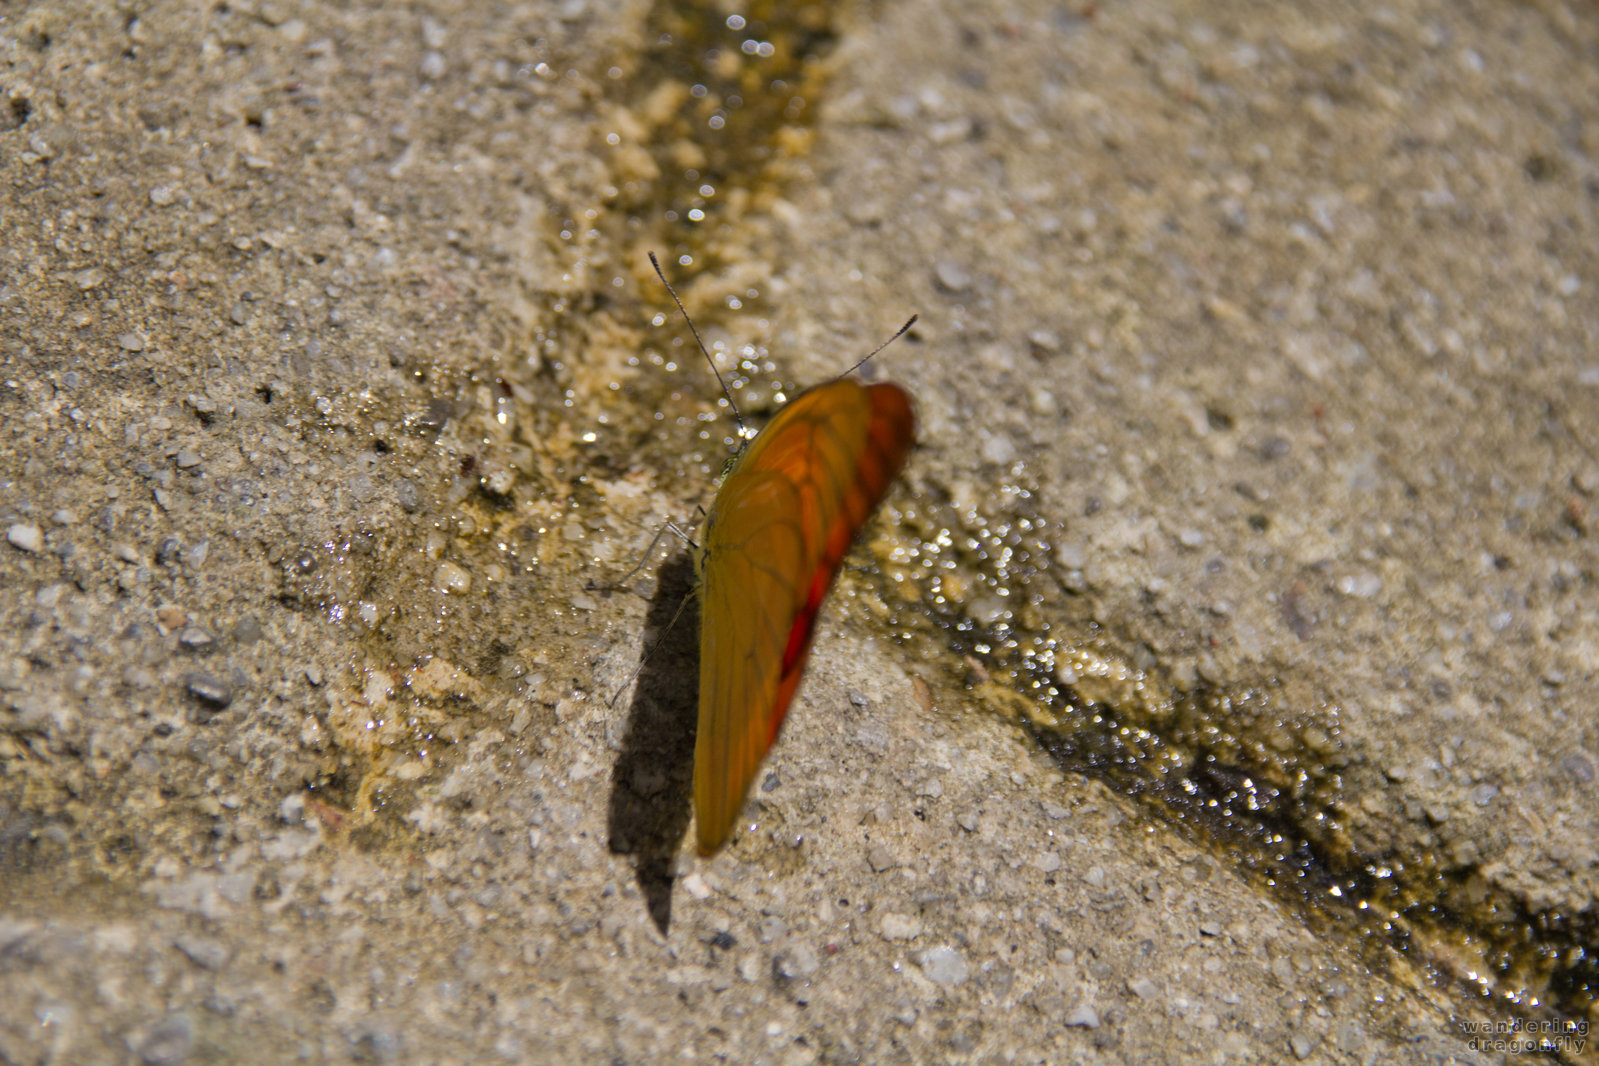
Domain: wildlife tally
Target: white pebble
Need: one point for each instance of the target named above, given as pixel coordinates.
(899, 927)
(944, 966)
(452, 578)
(1362, 586)
(26, 537)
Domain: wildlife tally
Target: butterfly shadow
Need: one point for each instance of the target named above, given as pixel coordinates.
(653, 779)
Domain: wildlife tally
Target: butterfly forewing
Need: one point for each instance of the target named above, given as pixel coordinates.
(776, 533)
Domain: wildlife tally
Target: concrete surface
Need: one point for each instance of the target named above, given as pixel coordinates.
(1257, 374)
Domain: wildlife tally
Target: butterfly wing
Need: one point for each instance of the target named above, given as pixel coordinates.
(777, 532)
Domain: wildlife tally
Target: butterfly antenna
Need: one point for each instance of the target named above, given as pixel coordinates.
(644, 560)
(868, 357)
(737, 415)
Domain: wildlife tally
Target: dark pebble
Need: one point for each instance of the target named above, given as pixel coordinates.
(379, 1045)
(208, 689)
(435, 417)
(405, 493)
(247, 630)
(1579, 766)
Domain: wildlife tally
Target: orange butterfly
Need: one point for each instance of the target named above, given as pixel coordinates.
(775, 536)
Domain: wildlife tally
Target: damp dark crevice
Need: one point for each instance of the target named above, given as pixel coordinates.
(1257, 783)
(723, 99)
(1276, 816)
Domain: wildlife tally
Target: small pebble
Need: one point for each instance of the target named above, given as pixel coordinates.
(196, 639)
(1143, 988)
(944, 966)
(25, 537)
(208, 689)
(407, 495)
(188, 458)
(1579, 766)
(998, 449)
(203, 951)
(131, 342)
(899, 927)
(797, 963)
(433, 419)
(1082, 1016)
(379, 1044)
(163, 195)
(953, 277)
(1302, 1044)
(167, 1044)
(880, 858)
(453, 579)
(1360, 586)
(247, 630)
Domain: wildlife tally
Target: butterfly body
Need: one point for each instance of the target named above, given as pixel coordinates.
(779, 528)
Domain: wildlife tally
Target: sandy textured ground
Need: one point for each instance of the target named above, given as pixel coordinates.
(1257, 365)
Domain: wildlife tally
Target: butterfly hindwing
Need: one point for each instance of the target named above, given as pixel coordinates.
(776, 534)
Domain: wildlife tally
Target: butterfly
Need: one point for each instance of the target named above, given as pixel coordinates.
(774, 538)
